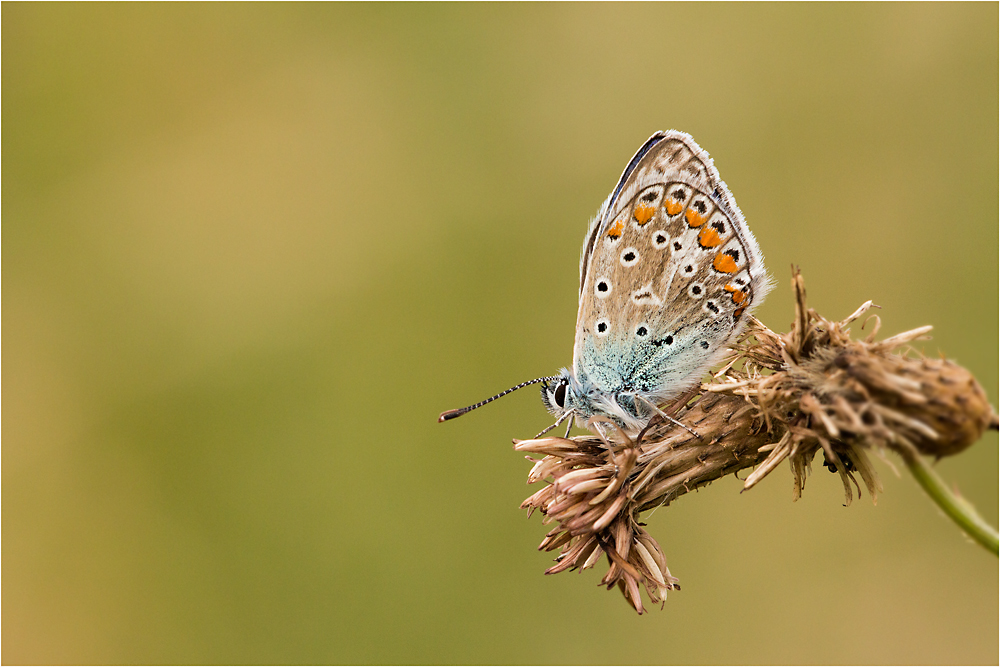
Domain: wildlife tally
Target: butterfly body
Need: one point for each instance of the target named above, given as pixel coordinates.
(669, 273)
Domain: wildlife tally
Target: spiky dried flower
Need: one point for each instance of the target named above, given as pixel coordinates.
(780, 396)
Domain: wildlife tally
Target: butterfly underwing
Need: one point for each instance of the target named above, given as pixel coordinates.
(669, 274)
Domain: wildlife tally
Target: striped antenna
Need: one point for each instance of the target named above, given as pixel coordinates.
(451, 414)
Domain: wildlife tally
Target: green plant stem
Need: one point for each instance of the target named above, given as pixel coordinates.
(958, 509)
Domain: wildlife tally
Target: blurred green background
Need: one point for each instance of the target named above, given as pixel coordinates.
(251, 251)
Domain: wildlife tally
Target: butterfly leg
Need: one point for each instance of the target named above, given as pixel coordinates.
(664, 415)
(558, 421)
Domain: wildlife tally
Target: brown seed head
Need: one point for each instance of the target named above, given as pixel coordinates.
(781, 396)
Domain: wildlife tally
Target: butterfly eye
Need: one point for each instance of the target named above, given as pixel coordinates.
(559, 396)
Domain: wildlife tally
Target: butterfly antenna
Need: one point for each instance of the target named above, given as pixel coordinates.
(451, 414)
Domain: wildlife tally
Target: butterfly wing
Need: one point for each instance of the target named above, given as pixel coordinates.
(668, 273)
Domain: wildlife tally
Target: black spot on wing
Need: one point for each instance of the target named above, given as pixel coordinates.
(666, 340)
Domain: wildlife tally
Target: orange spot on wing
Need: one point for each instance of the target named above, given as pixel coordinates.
(643, 213)
(724, 263)
(737, 313)
(709, 238)
(694, 219)
(739, 296)
(673, 206)
(616, 230)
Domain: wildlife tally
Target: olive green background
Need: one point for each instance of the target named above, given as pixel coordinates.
(251, 251)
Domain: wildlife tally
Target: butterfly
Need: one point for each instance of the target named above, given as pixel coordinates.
(668, 276)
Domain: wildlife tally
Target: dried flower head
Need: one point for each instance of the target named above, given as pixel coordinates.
(780, 396)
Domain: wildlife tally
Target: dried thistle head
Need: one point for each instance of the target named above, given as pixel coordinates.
(828, 391)
(781, 396)
(590, 497)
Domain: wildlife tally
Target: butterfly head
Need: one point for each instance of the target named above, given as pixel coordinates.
(557, 394)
